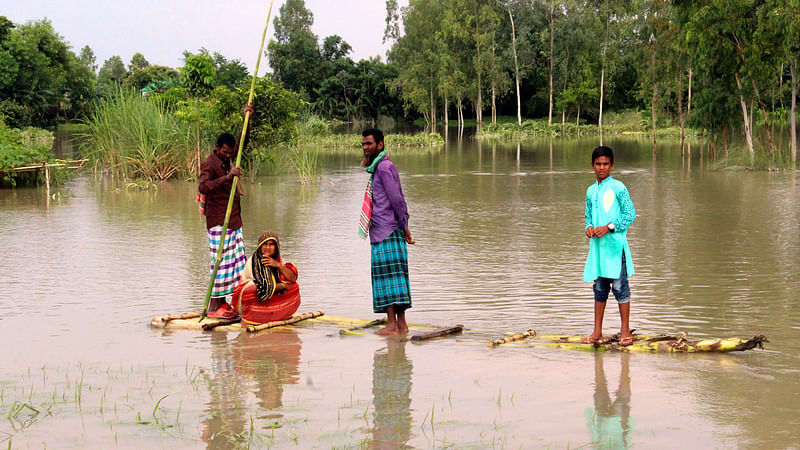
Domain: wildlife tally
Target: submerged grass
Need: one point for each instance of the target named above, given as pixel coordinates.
(540, 127)
(335, 142)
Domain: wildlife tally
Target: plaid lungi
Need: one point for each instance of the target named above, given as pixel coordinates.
(390, 285)
(233, 259)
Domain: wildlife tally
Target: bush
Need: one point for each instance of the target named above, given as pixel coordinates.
(137, 137)
(18, 148)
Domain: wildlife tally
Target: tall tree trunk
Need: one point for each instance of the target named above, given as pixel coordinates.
(680, 109)
(793, 70)
(602, 86)
(433, 105)
(747, 130)
(725, 138)
(479, 63)
(653, 98)
(689, 100)
(516, 67)
(765, 116)
(494, 105)
(446, 121)
(550, 82)
(653, 113)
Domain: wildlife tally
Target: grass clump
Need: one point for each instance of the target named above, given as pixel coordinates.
(138, 137)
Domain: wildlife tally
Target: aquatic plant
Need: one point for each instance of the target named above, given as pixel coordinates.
(137, 137)
(353, 141)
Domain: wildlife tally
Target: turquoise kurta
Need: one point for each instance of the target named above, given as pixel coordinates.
(608, 202)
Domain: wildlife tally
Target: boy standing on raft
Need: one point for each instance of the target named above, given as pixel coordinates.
(384, 216)
(609, 213)
(216, 180)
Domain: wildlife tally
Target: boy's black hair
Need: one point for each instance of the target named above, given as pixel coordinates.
(226, 139)
(603, 151)
(375, 133)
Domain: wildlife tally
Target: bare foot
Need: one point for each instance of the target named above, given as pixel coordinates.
(591, 339)
(388, 331)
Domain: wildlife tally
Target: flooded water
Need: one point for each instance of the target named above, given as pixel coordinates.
(500, 247)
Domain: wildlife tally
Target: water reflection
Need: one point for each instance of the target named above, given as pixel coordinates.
(263, 363)
(270, 360)
(391, 391)
(225, 412)
(610, 423)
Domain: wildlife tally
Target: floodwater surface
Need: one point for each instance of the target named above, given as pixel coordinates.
(500, 248)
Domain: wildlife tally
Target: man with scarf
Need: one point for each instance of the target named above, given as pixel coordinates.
(216, 180)
(384, 216)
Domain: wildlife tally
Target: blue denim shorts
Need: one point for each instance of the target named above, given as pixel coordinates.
(619, 286)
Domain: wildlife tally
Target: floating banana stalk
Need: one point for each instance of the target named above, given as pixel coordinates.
(512, 338)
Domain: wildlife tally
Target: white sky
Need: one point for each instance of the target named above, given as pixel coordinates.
(162, 30)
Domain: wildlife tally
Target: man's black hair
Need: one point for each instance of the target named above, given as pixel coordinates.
(603, 151)
(375, 133)
(226, 139)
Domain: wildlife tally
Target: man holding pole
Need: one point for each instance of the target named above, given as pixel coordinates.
(216, 181)
(384, 216)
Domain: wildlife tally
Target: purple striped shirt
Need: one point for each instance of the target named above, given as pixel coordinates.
(389, 210)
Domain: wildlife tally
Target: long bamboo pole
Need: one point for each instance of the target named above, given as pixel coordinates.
(235, 179)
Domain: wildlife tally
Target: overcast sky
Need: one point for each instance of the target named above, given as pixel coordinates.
(162, 30)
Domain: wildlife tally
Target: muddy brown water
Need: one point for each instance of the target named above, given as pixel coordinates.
(500, 248)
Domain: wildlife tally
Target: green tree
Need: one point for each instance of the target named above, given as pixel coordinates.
(198, 78)
(88, 59)
(294, 54)
(138, 62)
(40, 73)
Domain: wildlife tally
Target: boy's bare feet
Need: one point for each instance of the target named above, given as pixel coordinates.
(388, 330)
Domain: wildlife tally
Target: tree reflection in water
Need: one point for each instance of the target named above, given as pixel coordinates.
(391, 391)
(610, 423)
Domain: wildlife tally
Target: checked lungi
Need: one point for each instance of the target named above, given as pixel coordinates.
(233, 259)
(390, 285)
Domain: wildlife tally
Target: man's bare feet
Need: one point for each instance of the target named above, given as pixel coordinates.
(591, 339)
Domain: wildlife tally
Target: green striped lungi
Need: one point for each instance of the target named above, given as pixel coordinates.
(390, 285)
(233, 259)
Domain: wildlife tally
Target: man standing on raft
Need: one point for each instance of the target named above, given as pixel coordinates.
(384, 216)
(216, 180)
(609, 213)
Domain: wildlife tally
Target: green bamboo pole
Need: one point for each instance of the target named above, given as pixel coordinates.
(235, 179)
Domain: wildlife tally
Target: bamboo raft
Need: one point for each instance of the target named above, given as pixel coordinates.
(642, 343)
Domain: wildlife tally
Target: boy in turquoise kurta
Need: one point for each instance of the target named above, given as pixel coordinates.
(609, 213)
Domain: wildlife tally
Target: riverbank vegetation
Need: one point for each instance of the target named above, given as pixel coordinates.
(727, 68)
(24, 147)
(724, 72)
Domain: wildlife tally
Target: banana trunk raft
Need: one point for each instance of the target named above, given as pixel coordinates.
(642, 343)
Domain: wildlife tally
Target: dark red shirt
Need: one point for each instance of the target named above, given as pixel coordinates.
(217, 189)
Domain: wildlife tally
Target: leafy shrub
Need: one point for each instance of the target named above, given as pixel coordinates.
(17, 149)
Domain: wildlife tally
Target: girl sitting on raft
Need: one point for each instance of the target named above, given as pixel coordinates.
(268, 289)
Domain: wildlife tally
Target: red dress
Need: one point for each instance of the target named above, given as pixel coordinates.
(279, 307)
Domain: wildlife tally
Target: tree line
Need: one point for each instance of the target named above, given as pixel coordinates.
(717, 65)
